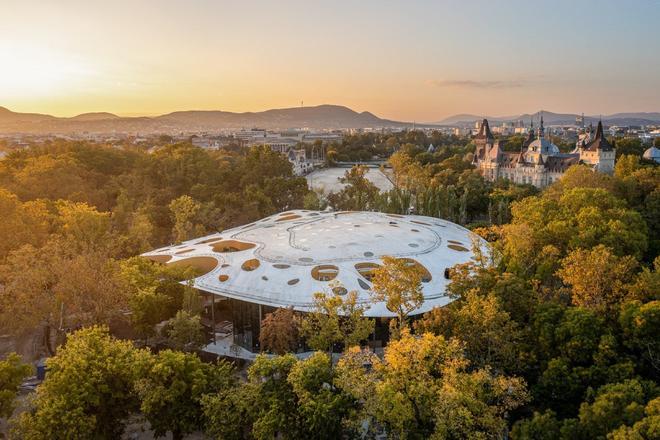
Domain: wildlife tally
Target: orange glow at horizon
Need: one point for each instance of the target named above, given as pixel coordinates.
(419, 61)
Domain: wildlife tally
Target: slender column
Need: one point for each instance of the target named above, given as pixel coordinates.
(213, 315)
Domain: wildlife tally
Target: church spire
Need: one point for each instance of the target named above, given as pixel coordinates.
(541, 130)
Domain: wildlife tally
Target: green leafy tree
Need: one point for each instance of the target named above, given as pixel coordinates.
(646, 428)
(640, 324)
(322, 407)
(185, 212)
(185, 331)
(615, 405)
(172, 388)
(334, 320)
(12, 373)
(88, 391)
(359, 194)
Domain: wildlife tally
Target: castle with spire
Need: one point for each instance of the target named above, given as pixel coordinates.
(539, 162)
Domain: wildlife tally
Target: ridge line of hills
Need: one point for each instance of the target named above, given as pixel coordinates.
(315, 117)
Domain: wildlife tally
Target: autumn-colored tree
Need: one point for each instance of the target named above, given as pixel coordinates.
(597, 277)
(493, 340)
(57, 288)
(398, 283)
(424, 388)
(279, 331)
(22, 223)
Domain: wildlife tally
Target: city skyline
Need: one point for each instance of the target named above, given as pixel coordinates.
(412, 62)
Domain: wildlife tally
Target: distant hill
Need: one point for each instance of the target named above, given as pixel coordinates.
(322, 116)
(550, 118)
(98, 116)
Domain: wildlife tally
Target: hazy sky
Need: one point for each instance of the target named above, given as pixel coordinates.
(406, 60)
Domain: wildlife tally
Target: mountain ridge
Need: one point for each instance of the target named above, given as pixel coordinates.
(321, 116)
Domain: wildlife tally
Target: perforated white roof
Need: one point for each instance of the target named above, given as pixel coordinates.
(271, 261)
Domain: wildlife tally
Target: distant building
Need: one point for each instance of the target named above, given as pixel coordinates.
(539, 162)
(298, 159)
(653, 154)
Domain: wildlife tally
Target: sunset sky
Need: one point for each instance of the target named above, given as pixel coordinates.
(413, 60)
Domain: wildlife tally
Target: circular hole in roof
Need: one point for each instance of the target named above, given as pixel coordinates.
(293, 281)
(393, 223)
(332, 246)
(306, 259)
(379, 236)
(356, 226)
(367, 269)
(223, 278)
(185, 251)
(368, 254)
(159, 258)
(224, 246)
(313, 214)
(325, 272)
(265, 278)
(339, 290)
(457, 247)
(281, 266)
(415, 230)
(363, 284)
(413, 245)
(201, 265)
(224, 265)
(250, 265)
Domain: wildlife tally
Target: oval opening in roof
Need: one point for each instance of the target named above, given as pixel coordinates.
(250, 265)
(367, 269)
(325, 272)
(201, 265)
(426, 275)
(159, 258)
(225, 246)
(457, 247)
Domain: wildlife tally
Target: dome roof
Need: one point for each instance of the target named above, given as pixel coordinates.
(284, 259)
(652, 153)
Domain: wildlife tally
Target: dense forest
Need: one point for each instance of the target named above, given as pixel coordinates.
(552, 335)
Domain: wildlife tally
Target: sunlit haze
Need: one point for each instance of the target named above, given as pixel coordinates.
(421, 60)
